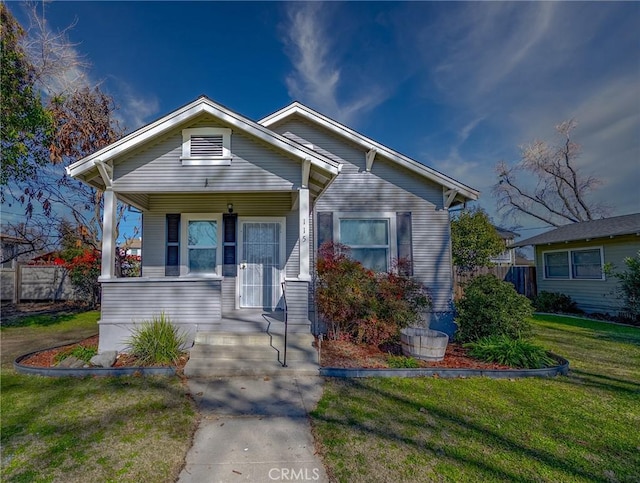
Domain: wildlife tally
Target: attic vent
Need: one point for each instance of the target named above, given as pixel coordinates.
(206, 146)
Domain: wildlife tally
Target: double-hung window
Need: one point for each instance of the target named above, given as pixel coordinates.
(577, 264)
(201, 241)
(370, 237)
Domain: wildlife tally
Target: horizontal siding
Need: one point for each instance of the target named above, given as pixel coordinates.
(186, 302)
(244, 204)
(297, 295)
(228, 294)
(375, 183)
(156, 167)
(591, 295)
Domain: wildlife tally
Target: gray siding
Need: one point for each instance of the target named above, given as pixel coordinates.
(244, 204)
(297, 295)
(590, 295)
(390, 188)
(156, 167)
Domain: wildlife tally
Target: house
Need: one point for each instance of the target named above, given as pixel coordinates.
(233, 212)
(132, 247)
(571, 259)
(508, 257)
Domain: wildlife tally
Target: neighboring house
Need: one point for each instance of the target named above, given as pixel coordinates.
(571, 259)
(10, 249)
(133, 246)
(508, 257)
(233, 212)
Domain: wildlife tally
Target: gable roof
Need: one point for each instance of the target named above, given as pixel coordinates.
(189, 111)
(463, 192)
(587, 230)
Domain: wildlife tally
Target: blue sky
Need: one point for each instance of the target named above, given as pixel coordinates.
(457, 86)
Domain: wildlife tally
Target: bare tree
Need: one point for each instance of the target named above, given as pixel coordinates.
(547, 184)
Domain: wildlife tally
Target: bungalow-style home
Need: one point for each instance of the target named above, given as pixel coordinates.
(234, 210)
(571, 260)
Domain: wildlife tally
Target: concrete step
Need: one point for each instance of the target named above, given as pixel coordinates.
(201, 368)
(301, 339)
(252, 352)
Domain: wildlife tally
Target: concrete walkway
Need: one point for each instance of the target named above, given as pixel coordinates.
(254, 429)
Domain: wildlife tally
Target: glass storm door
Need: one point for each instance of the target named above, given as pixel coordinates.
(260, 266)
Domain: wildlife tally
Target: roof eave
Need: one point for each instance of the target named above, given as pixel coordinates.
(296, 108)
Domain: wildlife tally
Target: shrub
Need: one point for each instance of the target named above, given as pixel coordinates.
(629, 285)
(504, 350)
(157, 342)
(492, 307)
(402, 362)
(363, 306)
(554, 302)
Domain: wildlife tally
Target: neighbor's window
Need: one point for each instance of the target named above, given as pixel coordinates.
(206, 146)
(556, 265)
(368, 240)
(586, 264)
(202, 244)
(583, 264)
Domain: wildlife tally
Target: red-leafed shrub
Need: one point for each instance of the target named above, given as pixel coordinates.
(358, 304)
(83, 265)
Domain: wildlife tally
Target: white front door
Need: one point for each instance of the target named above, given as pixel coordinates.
(261, 263)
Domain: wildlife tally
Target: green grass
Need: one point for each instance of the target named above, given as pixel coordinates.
(583, 427)
(89, 429)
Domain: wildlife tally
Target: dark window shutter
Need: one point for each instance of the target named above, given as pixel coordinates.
(230, 266)
(325, 227)
(405, 246)
(172, 267)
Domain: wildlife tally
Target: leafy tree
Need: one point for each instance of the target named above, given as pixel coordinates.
(26, 127)
(560, 191)
(474, 240)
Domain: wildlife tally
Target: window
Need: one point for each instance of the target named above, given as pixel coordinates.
(582, 264)
(586, 264)
(201, 244)
(370, 237)
(206, 146)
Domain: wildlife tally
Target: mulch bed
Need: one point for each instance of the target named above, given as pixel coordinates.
(344, 354)
(46, 358)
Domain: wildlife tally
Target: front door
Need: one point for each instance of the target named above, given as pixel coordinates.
(262, 263)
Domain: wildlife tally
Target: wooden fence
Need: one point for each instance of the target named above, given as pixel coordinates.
(522, 278)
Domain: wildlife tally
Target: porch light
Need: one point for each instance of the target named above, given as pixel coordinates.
(230, 207)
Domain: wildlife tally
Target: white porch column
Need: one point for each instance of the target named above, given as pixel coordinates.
(108, 234)
(303, 237)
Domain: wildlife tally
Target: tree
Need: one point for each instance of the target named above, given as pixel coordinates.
(560, 192)
(474, 240)
(26, 126)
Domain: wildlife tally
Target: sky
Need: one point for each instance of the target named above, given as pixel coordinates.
(457, 86)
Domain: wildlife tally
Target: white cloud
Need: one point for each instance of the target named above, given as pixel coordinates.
(317, 75)
(135, 109)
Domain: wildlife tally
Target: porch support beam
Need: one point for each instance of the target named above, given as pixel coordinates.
(108, 234)
(303, 236)
(306, 170)
(450, 196)
(371, 156)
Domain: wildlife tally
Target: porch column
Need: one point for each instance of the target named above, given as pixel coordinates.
(303, 238)
(108, 234)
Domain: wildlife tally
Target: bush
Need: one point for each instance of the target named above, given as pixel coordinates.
(157, 342)
(629, 286)
(363, 306)
(504, 350)
(554, 302)
(492, 307)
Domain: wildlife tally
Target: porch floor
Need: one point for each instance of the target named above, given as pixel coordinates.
(258, 320)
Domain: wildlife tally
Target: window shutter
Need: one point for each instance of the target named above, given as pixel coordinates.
(172, 267)
(230, 266)
(325, 227)
(405, 246)
(209, 146)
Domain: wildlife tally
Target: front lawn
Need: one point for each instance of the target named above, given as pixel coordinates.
(577, 428)
(89, 429)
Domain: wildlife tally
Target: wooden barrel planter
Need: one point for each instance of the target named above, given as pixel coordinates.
(425, 344)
